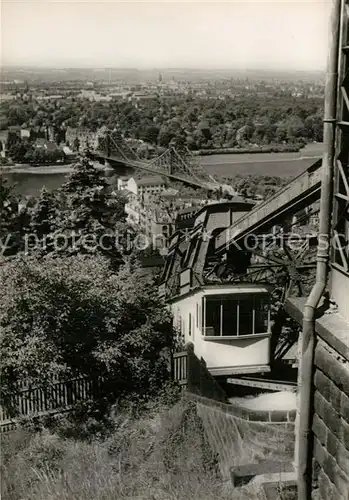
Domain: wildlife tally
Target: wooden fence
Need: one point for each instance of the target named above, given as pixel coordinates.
(180, 367)
(60, 396)
(56, 397)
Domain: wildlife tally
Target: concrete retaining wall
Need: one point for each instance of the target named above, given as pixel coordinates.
(240, 436)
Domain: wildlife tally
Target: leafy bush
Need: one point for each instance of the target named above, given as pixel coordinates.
(74, 316)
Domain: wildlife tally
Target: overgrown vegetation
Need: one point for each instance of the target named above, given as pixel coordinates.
(76, 309)
(74, 301)
(161, 454)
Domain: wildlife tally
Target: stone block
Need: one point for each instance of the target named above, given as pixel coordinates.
(323, 384)
(343, 458)
(345, 433)
(330, 417)
(340, 375)
(333, 365)
(316, 468)
(328, 389)
(336, 397)
(320, 429)
(315, 494)
(331, 443)
(319, 453)
(327, 489)
(329, 467)
(345, 407)
(325, 486)
(342, 483)
(336, 495)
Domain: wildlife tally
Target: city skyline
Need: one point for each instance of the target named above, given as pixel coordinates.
(279, 35)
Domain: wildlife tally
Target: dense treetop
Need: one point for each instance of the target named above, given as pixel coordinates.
(235, 120)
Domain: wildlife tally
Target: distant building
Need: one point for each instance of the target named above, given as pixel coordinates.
(53, 97)
(69, 154)
(127, 183)
(13, 133)
(86, 138)
(92, 95)
(185, 218)
(45, 144)
(14, 130)
(119, 96)
(151, 185)
(148, 185)
(7, 97)
(132, 210)
(141, 96)
(156, 210)
(25, 133)
(156, 223)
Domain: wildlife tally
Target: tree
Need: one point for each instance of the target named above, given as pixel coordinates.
(314, 126)
(151, 134)
(74, 316)
(45, 214)
(205, 130)
(244, 134)
(89, 216)
(84, 216)
(165, 136)
(14, 221)
(87, 188)
(76, 144)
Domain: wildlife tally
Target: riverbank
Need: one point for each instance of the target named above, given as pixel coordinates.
(254, 150)
(29, 180)
(22, 168)
(311, 148)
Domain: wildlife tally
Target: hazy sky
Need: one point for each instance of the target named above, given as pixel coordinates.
(282, 34)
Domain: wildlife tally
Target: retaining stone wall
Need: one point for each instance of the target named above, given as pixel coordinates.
(240, 436)
(331, 423)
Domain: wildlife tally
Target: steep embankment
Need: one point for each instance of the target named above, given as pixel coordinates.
(174, 454)
(240, 435)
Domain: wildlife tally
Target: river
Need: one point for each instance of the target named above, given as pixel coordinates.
(30, 180)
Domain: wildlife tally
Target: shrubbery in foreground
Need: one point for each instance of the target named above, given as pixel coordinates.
(74, 316)
(160, 455)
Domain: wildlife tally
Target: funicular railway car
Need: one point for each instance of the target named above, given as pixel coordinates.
(228, 325)
(218, 292)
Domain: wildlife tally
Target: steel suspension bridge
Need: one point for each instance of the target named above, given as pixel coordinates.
(114, 148)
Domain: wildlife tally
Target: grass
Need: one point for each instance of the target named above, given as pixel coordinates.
(161, 455)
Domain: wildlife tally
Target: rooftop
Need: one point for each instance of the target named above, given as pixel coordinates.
(50, 145)
(187, 210)
(153, 180)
